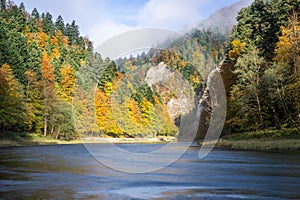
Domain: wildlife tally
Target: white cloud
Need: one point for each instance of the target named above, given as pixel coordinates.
(172, 14)
(105, 30)
(167, 14)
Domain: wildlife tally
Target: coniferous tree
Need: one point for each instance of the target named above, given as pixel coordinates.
(3, 5)
(59, 24)
(35, 14)
(48, 25)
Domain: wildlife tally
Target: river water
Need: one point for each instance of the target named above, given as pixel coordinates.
(70, 172)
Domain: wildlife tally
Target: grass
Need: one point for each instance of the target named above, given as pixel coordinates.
(268, 140)
(265, 145)
(9, 139)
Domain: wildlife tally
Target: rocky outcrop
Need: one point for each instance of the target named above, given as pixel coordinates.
(158, 74)
(176, 92)
(179, 106)
(194, 121)
(218, 84)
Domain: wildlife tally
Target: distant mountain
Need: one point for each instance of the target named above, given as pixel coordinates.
(225, 18)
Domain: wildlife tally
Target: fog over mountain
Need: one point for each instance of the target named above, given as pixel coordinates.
(223, 19)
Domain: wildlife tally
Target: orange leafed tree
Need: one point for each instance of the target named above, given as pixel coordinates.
(47, 69)
(104, 115)
(146, 111)
(134, 111)
(102, 109)
(288, 47)
(41, 38)
(12, 108)
(67, 82)
(61, 39)
(49, 94)
(55, 53)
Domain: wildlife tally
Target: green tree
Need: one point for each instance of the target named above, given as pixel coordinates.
(35, 14)
(59, 24)
(288, 47)
(260, 23)
(287, 63)
(3, 5)
(246, 92)
(48, 25)
(72, 31)
(34, 100)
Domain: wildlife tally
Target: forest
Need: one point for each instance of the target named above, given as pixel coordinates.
(264, 67)
(52, 83)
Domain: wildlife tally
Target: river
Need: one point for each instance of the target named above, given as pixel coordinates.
(70, 172)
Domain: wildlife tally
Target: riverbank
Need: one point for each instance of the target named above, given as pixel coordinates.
(15, 140)
(270, 140)
(267, 140)
(24, 139)
(260, 145)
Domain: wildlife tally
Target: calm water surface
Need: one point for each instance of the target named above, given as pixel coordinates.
(70, 172)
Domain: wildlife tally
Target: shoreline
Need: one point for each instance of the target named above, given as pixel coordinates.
(41, 141)
(265, 145)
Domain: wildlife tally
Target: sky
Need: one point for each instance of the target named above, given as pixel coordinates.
(100, 20)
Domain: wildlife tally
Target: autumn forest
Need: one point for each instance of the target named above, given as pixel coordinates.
(54, 84)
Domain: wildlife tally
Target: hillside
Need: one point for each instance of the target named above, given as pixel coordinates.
(224, 19)
(261, 69)
(53, 84)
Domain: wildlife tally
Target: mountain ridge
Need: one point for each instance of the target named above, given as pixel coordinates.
(216, 20)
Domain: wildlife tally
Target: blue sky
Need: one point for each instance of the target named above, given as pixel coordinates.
(102, 19)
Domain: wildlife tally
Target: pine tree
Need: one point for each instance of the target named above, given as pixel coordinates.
(3, 5)
(35, 14)
(48, 25)
(72, 31)
(59, 24)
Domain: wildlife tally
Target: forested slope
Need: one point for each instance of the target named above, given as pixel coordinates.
(263, 64)
(53, 84)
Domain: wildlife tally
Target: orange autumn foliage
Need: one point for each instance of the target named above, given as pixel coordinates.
(67, 81)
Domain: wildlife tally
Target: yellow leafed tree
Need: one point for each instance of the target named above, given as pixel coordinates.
(12, 109)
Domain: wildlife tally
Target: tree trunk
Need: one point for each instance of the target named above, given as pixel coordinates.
(52, 130)
(45, 126)
(259, 110)
(276, 119)
(258, 101)
(58, 132)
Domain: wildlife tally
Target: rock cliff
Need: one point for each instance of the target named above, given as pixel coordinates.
(175, 91)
